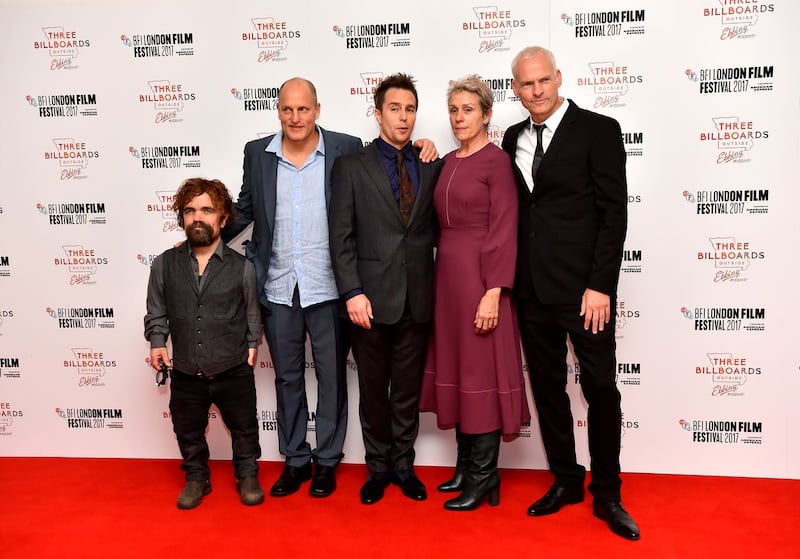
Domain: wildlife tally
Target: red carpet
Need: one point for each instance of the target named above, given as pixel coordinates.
(126, 508)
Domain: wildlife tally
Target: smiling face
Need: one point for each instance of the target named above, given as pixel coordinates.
(467, 118)
(536, 84)
(298, 111)
(397, 116)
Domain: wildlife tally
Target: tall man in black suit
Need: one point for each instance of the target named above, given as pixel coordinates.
(285, 194)
(572, 225)
(382, 233)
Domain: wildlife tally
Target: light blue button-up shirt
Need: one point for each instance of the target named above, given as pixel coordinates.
(300, 251)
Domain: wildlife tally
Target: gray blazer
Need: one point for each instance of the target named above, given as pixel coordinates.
(256, 202)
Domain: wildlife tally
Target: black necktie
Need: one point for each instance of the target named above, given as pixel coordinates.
(406, 188)
(539, 152)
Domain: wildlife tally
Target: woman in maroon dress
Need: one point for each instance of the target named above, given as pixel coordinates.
(473, 376)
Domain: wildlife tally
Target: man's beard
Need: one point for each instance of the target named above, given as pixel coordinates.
(200, 235)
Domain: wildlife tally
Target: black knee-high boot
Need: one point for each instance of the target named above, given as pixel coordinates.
(462, 459)
(481, 479)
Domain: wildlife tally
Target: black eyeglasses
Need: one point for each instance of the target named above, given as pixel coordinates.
(162, 375)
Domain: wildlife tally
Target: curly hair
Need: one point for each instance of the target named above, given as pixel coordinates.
(216, 190)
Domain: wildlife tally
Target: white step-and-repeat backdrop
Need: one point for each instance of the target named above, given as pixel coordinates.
(109, 106)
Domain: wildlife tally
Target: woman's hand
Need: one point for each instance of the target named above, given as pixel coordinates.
(487, 315)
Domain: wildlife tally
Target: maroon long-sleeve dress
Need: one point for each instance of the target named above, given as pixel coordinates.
(472, 379)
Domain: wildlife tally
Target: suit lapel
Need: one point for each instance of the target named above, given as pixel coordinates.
(561, 134)
(269, 175)
(513, 132)
(377, 174)
(425, 185)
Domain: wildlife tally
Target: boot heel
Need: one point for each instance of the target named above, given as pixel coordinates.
(494, 496)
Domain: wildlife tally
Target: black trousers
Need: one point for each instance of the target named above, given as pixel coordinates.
(544, 330)
(391, 361)
(234, 394)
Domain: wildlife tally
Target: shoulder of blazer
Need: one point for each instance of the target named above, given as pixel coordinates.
(339, 140)
(259, 144)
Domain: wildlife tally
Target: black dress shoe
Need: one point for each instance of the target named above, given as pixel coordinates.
(324, 481)
(410, 485)
(555, 499)
(291, 479)
(618, 519)
(372, 490)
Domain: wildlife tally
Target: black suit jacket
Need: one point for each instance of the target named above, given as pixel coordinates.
(256, 202)
(372, 248)
(572, 226)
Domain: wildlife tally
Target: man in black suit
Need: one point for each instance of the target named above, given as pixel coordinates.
(285, 194)
(570, 170)
(382, 233)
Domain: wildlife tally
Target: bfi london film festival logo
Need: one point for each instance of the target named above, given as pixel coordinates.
(168, 100)
(606, 24)
(257, 98)
(159, 45)
(163, 206)
(374, 35)
(146, 259)
(73, 213)
(271, 37)
(369, 82)
(494, 25)
(733, 138)
(634, 143)
(731, 258)
(10, 367)
(90, 365)
(753, 201)
(64, 104)
(73, 157)
(726, 319)
(81, 262)
(738, 17)
(92, 418)
(84, 318)
(628, 374)
(723, 432)
(8, 414)
(167, 156)
(727, 373)
(62, 45)
(610, 82)
(269, 421)
(632, 261)
(733, 79)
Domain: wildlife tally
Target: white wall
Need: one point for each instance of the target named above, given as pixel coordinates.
(716, 402)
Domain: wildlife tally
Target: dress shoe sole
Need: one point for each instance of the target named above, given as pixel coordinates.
(621, 531)
(548, 511)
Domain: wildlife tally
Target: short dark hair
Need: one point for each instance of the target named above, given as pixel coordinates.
(400, 81)
(196, 186)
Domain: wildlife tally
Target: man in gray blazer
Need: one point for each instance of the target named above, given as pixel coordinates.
(285, 194)
(382, 235)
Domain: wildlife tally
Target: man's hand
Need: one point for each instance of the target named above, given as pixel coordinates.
(595, 310)
(359, 309)
(251, 356)
(428, 151)
(159, 355)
